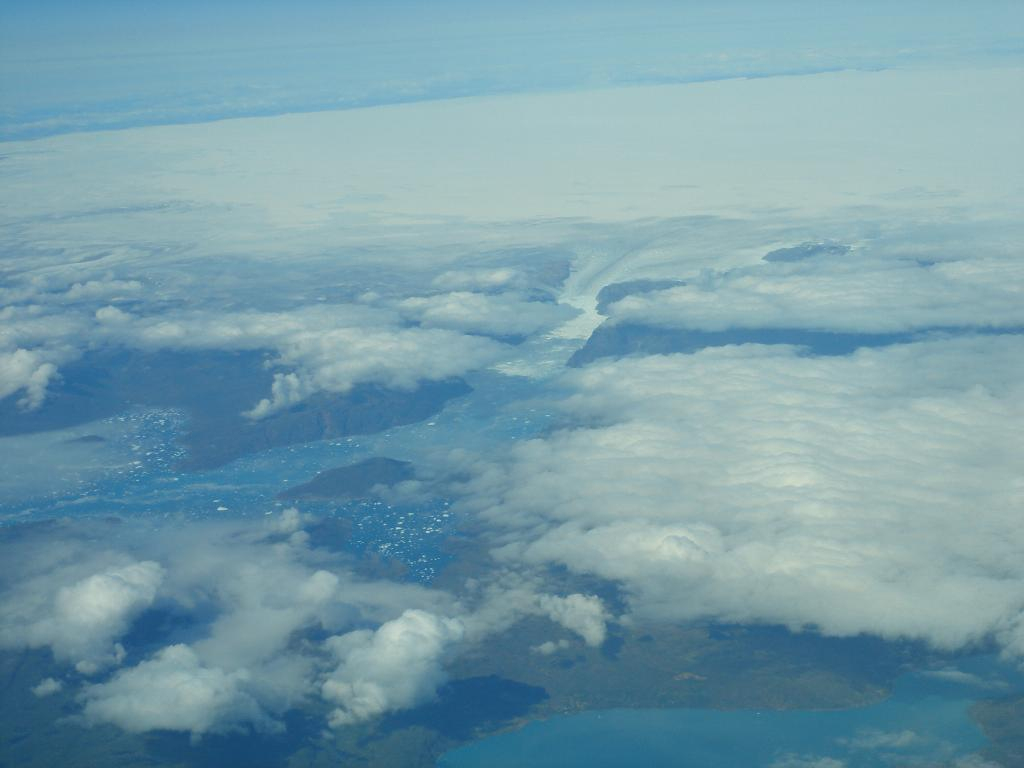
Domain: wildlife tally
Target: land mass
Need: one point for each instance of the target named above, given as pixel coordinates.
(614, 339)
(213, 388)
(352, 481)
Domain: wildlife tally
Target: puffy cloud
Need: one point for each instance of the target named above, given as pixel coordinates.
(397, 666)
(476, 279)
(253, 599)
(68, 284)
(111, 315)
(101, 289)
(175, 691)
(286, 390)
(870, 493)
(583, 614)
(549, 647)
(335, 361)
(501, 315)
(79, 617)
(25, 370)
(507, 596)
(34, 342)
(47, 687)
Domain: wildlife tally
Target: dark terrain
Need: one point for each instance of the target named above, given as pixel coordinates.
(213, 388)
(353, 481)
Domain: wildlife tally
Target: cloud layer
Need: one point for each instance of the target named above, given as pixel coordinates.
(859, 292)
(871, 493)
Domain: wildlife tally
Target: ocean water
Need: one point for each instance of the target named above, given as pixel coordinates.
(925, 722)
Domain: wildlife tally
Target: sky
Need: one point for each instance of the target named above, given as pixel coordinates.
(380, 197)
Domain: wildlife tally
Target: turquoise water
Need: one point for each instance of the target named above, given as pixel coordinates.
(140, 477)
(925, 721)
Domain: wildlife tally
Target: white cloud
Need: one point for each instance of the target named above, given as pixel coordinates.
(322, 348)
(111, 315)
(102, 289)
(501, 314)
(507, 596)
(476, 279)
(80, 617)
(397, 666)
(28, 371)
(327, 348)
(286, 390)
(857, 293)
(549, 647)
(958, 676)
(335, 361)
(583, 614)
(34, 342)
(47, 687)
(175, 691)
(255, 594)
(872, 493)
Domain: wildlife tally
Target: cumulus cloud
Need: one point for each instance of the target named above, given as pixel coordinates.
(286, 390)
(476, 279)
(25, 370)
(335, 361)
(66, 285)
(175, 691)
(79, 617)
(101, 289)
(508, 596)
(873, 493)
(34, 343)
(501, 314)
(395, 667)
(549, 647)
(583, 614)
(47, 687)
(250, 597)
